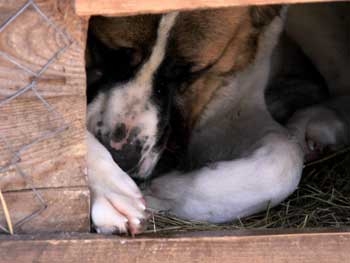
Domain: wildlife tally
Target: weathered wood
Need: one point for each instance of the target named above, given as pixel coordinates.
(7, 7)
(54, 162)
(317, 248)
(31, 41)
(133, 7)
(65, 211)
(49, 139)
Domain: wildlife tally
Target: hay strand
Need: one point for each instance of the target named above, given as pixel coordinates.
(6, 213)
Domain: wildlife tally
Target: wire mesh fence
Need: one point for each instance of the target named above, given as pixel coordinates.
(10, 149)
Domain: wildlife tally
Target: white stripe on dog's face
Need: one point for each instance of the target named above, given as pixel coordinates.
(125, 119)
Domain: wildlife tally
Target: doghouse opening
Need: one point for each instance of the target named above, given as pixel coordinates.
(322, 198)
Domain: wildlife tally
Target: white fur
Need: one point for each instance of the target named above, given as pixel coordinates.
(117, 203)
(318, 128)
(232, 189)
(130, 102)
(264, 175)
(116, 200)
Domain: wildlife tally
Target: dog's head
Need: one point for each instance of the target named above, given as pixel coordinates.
(129, 113)
(138, 66)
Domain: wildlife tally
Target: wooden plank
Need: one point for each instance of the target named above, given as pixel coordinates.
(31, 42)
(45, 138)
(58, 161)
(65, 212)
(308, 248)
(7, 7)
(133, 7)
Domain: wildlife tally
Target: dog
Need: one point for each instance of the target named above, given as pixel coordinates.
(209, 69)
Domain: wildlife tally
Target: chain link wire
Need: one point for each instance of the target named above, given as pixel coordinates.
(14, 153)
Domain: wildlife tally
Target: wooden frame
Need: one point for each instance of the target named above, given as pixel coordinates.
(234, 246)
(132, 7)
(213, 247)
(42, 117)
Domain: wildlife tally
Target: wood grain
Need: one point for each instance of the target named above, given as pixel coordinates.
(8, 7)
(308, 248)
(133, 7)
(30, 41)
(58, 161)
(55, 164)
(65, 212)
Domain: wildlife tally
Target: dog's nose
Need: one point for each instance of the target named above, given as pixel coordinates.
(126, 147)
(122, 135)
(128, 156)
(119, 135)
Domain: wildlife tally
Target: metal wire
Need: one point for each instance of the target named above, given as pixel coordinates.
(13, 161)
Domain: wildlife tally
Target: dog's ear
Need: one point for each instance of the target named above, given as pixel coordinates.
(262, 15)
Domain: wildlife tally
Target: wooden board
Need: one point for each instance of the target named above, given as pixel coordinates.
(287, 248)
(132, 7)
(46, 137)
(65, 212)
(57, 161)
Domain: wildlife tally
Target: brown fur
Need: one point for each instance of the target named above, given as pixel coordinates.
(223, 40)
(216, 41)
(136, 32)
(131, 32)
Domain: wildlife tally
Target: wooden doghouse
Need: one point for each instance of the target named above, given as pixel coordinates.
(42, 150)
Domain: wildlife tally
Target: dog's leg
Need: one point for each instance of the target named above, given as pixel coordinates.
(117, 203)
(232, 189)
(323, 127)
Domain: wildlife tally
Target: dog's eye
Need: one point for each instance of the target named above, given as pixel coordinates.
(134, 56)
(126, 56)
(159, 93)
(175, 70)
(182, 87)
(160, 88)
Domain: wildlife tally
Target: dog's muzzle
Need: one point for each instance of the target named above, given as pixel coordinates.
(135, 154)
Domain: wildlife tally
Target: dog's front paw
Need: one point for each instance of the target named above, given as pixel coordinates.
(115, 212)
(117, 203)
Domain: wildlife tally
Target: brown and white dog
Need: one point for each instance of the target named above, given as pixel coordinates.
(209, 69)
